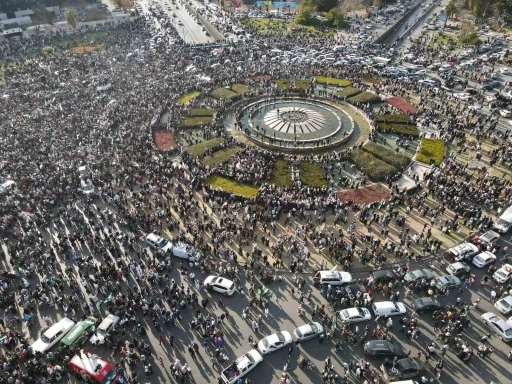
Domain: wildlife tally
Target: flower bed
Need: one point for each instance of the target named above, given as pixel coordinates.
(281, 173)
(202, 112)
(231, 186)
(219, 157)
(240, 88)
(299, 84)
(348, 92)
(332, 81)
(196, 121)
(375, 169)
(431, 150)
(311, 174)
(201, 148)
(400, 118)
(398, 160)
(365, 195)
(164, 140)
(402, 104)
(399, 128)
(187, 97)
(365, 98)
(223, 93)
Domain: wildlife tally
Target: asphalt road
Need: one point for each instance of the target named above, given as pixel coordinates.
(189, 31)
(283, 315)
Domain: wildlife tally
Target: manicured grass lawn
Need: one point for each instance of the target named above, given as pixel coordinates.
(431, 149)
(398, 128)
(398, 160)
(240, 88)
(300, 84)
(311, 174)
(195, 122)
(219, 157)
(202, 112)
(375, 169)
(365, 97)
(332, 81)
(223, 93)
(399, 118)
(201, 148)
(231, 186)
(187, 97)
(443, 39)
(281, 173)
(348, 92)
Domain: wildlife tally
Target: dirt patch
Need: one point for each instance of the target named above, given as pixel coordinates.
(364, 195)
(84, 49)
(165, 140)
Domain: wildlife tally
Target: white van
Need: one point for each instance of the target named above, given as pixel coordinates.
(503, 224)
(52, 335)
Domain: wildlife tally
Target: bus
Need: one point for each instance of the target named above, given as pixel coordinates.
(91, 368)
(80, 333)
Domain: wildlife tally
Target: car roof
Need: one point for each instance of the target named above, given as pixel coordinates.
(384, 304)
(487, 255)
(379, 344)
(464, 247)
(111, 318)
(57, 327)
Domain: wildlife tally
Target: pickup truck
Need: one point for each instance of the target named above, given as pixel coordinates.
(402, 369)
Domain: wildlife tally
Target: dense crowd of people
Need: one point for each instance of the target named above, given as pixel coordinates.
(62, 111)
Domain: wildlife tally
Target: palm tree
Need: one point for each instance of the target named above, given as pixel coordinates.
(71, 18)
(451, 11)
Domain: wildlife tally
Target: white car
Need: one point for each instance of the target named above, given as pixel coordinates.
(504, 305)
(503, 274)
(220, 284)
(107, 325)
(462, 96)
(490, 98)
(355, 315)
(505, 113)
(504, 70)
(158, 242)
(388, 308)
(484, 258)
(241, 366)
(52, 335)
(274, 342)
(498, 326)
(458, 269)
(308, 331)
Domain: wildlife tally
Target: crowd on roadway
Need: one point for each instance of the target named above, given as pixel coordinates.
(63, 111)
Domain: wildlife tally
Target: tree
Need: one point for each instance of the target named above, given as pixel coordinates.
(42, 15)
(71, 18)
(450, 11)
(121, 3)
(335, 19)
(304, 16)
(324, 5)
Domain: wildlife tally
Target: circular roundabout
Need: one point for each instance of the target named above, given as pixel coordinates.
(295, 123)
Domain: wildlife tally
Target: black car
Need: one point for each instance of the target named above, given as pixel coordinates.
(352, 289)
(383, 277)
(383, 348)
(426, 304)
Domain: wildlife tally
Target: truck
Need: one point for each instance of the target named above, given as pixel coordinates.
(402, 369)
